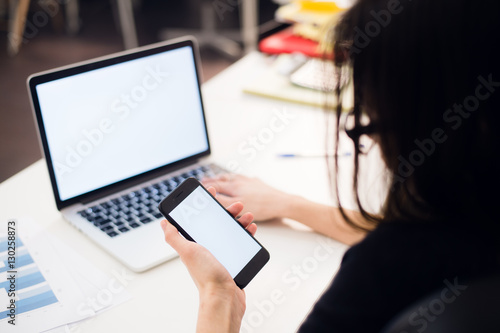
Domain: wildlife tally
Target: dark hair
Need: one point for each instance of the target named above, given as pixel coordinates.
(426, 72)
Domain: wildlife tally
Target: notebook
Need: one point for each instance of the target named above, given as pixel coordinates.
(273, 83)
(118, 134)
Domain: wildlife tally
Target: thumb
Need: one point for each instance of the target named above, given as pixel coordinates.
(172, 237)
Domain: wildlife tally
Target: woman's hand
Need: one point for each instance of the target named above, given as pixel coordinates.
(222, 302)
(264, 201)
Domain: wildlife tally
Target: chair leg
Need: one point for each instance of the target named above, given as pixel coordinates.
(127, 23)
(3, 8)
(249, 24)
(17, 27)
(72, 9)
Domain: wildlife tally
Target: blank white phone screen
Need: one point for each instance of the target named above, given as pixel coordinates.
(211, 226)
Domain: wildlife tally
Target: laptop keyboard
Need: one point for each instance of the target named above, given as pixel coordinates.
(130, 211)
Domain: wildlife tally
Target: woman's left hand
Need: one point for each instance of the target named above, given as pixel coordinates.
(222, 302)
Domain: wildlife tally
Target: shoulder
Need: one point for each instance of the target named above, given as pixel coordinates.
(422, 247)
(391, 268)
(418, 257)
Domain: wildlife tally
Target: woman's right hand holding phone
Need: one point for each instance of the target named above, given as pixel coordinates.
(222, 302)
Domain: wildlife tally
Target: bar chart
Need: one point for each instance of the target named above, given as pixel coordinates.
(32, 291)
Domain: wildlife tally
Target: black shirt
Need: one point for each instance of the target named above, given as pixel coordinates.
(394, 266)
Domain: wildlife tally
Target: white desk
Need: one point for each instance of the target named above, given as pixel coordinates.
(164, 299)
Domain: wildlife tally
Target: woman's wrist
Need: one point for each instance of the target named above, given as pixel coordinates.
(288, 204)
(220, 310)
(324, 219)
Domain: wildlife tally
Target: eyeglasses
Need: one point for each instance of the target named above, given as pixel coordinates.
(360, 133)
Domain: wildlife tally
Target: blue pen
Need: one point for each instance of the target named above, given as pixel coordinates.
(312, 155)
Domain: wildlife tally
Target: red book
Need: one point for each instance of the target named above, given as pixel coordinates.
(286, 42)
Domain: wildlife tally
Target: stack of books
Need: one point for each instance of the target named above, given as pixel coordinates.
(311, 22)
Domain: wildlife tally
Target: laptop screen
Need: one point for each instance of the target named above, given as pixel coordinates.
(115, 122)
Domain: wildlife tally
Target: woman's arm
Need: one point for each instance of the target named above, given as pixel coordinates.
(220, 311)
(324, 219)
(266, 202)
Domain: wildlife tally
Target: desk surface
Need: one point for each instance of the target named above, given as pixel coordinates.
(246, 133)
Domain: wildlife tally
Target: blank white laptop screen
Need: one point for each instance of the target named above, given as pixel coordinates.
(113, 123)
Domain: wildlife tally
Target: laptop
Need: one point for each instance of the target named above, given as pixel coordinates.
(118, 134)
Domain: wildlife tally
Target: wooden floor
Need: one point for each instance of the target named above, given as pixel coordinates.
(50, 48)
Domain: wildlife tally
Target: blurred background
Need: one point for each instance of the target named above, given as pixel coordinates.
(61, 32)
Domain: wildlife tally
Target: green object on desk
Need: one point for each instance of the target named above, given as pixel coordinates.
(275, 85)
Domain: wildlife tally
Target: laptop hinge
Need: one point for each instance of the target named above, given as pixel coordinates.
(132, 183)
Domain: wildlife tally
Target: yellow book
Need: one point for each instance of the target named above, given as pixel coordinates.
(311, 18)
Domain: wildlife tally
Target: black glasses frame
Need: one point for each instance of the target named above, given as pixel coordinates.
(357, 131)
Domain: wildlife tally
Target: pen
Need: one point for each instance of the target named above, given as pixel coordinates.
(313, 155)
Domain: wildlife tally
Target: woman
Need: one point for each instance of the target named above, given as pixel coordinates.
(426, 73)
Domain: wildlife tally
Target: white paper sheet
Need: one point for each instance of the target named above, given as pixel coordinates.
(54, 286)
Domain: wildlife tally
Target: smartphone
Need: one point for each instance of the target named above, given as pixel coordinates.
(199, 217)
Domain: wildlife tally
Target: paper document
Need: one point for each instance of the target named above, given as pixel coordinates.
(43, 283)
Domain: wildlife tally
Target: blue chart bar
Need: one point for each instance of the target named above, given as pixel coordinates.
(32, 290)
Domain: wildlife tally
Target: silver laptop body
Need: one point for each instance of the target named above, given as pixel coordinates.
(118, 133)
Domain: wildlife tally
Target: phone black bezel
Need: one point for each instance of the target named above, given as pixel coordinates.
(178, 195)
